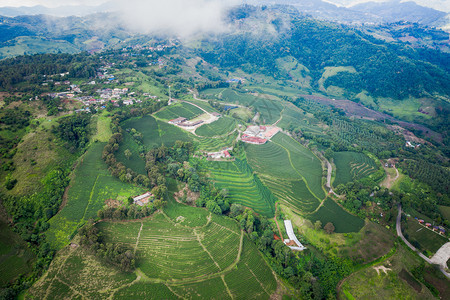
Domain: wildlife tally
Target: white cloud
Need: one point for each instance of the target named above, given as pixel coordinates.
(179, 17)
(49, 3)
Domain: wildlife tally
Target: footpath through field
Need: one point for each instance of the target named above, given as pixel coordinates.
(400, 234)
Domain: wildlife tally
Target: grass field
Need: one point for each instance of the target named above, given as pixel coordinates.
(352, 166)
(36, 155)
(396, 283)
(177, 110)
(103, 128)
(269, 110)
(445, 211)
(135, 162)
(341, 219)
(91, 185)
(295, 71)
(155, 133)
(32, 45)
(183, 253)
(15, 258)
(427, 239)
(220, 127)
(242, 186)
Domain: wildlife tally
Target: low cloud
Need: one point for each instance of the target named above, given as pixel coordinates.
(175, 17)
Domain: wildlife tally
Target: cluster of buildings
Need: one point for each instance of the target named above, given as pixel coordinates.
(224, 154)
(438, 229)
(259, 135)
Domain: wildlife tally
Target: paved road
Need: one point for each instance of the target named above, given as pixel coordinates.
(400, 234)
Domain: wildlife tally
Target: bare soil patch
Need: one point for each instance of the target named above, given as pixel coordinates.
(185, 195)
(113, 203)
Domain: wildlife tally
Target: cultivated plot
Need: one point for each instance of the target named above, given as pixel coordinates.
(206, 257)
(352, 166)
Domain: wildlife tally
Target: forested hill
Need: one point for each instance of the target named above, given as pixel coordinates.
(381, 68)
(258, 37)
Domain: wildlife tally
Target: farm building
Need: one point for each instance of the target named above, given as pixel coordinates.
(292, 238)
(421, 221)
(189, 124)
(428, 225)
(143, 199)
(215, 114)
(177, 120)
(253, 140)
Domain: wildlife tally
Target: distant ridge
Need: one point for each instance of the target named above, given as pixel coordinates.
(60, 11)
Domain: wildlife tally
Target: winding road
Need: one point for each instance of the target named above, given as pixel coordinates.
(400, 234)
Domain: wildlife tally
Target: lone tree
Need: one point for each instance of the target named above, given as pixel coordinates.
(318, 225)
(329, 228)
(127, 153)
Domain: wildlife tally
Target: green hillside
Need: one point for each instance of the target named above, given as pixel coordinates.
(176, 259)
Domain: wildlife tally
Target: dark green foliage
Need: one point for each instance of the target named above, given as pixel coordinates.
(74, 130)
(33, 68)
(116, 254)
(383, 69)
(312, 276)
(437, 177)
(15, 118)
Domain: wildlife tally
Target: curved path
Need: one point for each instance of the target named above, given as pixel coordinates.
(400, 234)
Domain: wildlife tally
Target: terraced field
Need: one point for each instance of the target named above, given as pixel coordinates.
(292, 193)
(177, 110)
(175, 259)
(352, 166)
(304, 161)
(284, 158)
(215, 144)
(218, 128)
(242, 186)
(91, 186)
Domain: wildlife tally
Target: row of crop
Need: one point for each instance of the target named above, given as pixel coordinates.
(222, 244)
(294, 193)
(305, 163)
(215, 144)
(183, 109)
(208, 289)
(145, 290)
(220, 127)
(243, 280)
(244, 188)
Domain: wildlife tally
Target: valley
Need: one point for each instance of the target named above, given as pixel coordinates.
(162, 169)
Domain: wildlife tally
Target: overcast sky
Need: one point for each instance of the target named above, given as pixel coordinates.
(49, 3)
(443, 5)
